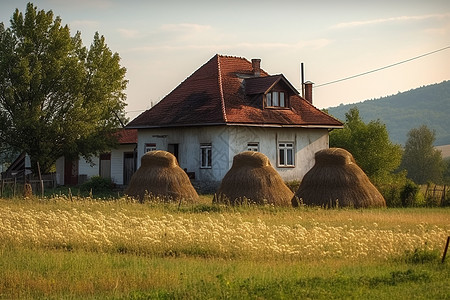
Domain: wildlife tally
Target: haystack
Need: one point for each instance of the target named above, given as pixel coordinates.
(253, 179)
(160, 176)
(336, 180)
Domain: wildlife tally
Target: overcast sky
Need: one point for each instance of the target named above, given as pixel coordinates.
(163, 42)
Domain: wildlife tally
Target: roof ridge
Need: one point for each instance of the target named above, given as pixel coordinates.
(222, 99)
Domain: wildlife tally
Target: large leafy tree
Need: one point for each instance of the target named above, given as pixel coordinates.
(421, 160)
(56, 96)
(370, 145)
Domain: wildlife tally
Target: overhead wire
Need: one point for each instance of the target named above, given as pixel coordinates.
(382, 68)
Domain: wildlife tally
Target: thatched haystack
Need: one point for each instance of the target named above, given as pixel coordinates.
(252, 179)
(336, 180)
(160, 176)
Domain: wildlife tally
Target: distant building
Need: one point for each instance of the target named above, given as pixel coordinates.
(118, 164)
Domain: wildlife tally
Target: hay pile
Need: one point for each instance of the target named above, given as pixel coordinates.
(160, 176)
(252, 179)
(336, 180)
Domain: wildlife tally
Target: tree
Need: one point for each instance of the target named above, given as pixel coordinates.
(57, 98)
(369, 144)
(421, 160)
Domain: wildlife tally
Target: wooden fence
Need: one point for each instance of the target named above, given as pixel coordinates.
(12, 187)
(436, 193)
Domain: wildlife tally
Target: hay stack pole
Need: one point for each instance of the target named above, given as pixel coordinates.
(252, 178)
(160, 176)
(336, 180)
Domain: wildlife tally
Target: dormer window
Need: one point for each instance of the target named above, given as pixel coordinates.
(276, 99)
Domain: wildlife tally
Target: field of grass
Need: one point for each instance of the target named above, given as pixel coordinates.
(58, 248)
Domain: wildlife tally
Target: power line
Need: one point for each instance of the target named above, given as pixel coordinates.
(382, 68)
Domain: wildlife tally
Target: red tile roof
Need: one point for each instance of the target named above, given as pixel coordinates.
(225, 91)
(127, 136)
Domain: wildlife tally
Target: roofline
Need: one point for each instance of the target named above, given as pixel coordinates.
(245, 124)
(288, 125)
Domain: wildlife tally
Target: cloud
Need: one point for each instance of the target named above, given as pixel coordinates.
(185, 27)
(85, 23)
(98, 4)
(386, 20)
(128, 33)
(313, 44)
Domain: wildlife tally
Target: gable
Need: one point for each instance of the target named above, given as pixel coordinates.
(262, 85)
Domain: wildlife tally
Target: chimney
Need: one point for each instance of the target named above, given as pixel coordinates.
(256, 65)
(308, 91)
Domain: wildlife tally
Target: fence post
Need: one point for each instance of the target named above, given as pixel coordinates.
(40, 180)
(445, 249)
(14, 189)
(443, 196)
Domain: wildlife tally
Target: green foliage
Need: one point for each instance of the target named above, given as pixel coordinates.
(56, 96)
(97, 184)
(293, 185)
(369, 144)
(400, 112)
(446, 173)
(409, 193)
(422, 161)
(421, 256)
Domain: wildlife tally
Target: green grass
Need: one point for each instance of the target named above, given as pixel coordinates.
(126, 250)
(53, 274)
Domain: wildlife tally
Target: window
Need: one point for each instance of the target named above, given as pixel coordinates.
(282, 103)
(276, 99)
(149, 147)
(269, 99)
(286, 154)
(205, 155)
(253, 147)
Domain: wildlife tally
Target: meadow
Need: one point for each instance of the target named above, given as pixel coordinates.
(78, 247)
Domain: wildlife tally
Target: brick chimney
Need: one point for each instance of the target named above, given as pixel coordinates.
(308, 91)
(256, 65)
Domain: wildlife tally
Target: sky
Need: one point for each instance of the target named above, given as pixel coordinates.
(162, 42)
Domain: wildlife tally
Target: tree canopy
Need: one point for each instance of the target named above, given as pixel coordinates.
(421, 160)
(57, 97)
(369, 144)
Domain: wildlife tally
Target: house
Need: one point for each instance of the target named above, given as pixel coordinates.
(119, 164)
(19, 168)
(230, 105)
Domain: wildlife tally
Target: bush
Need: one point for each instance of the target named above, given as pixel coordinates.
(97, 184)
(390, 186)
(409, 194)
(293, 185)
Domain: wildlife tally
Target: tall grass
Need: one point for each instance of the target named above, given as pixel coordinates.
(109, 227)
(80, 247)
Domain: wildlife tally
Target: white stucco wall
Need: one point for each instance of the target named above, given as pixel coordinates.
(306, 143)
(59, 164)
(89, 168)
(117, 162)
(189, 140)
(227, 141)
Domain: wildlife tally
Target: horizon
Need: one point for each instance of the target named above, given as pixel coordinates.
(163, 43)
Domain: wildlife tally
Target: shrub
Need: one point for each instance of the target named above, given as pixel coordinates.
(97, 184)
(409, 194)
(293, 185)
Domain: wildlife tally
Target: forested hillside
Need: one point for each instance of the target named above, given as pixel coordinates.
(429, 105)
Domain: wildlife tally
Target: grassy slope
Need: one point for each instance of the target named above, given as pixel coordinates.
(33, 270)
(427, 105)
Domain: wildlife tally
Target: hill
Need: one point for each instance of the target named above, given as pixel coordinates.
(429, 105)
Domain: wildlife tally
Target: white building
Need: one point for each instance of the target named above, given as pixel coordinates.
(230, 105)
(118, 165)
